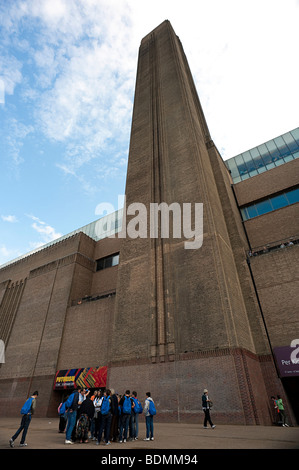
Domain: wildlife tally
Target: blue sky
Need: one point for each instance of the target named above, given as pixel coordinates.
(67, 77)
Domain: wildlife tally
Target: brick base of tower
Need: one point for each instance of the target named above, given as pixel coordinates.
(239, 383)
(235, 380)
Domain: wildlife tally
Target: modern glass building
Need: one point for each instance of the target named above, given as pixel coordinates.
(268, 155)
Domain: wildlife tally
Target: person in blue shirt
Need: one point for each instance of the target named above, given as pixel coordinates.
(30, 405)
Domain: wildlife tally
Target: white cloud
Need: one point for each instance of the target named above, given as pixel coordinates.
(85, 56)
(10, 73)
(85, 70)
(16, 133)
(9, 218)
(46, 232)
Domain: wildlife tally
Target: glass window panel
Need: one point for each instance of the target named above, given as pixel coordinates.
(293, 195)
(244, 213)
(291, 142)
(281, 145)
(248, 161)
(115, 260)
(237, 179)
(100, 264)
(251, 211)
(279, 201)
(270, 165)
(264, 154)
(288, 158)
(253, 173)
(241, 165)
(108, 262)
(271, 146)
(295, 134)
(296, 155)
(255, 154)
(233, 168)
(261, 170)
(263, 207)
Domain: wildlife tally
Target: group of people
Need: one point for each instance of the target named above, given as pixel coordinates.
(104, 416)
(267, 248)
(107, 416)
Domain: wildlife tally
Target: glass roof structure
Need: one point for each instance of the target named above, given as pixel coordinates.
(264, 157)
(104, 227)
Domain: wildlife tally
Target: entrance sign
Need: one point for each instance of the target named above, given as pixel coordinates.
(287, 360)
(90, 377)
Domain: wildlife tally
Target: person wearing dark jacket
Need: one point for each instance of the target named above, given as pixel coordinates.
(85, 415)
(114, 432)
(206, 406)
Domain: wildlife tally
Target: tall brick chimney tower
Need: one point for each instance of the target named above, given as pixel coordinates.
(185, 319)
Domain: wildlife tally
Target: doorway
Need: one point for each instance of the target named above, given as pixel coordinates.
(291, 387)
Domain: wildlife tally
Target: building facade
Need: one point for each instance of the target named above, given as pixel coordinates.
(120, 303)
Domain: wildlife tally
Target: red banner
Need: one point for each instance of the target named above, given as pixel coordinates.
(90, 377)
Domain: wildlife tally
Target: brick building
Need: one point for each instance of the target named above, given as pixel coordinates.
(102, 307)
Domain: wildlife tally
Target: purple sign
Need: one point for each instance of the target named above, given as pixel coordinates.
(287, 359)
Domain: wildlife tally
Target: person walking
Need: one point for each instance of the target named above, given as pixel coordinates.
(27, 411)
(276, 410)
(206, 406)
(149, 411)
(281, 411)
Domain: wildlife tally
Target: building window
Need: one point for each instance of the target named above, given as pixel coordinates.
(108, 261)
(270, 204)
(273, 153)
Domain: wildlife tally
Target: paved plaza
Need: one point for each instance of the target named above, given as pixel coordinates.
(43, 434)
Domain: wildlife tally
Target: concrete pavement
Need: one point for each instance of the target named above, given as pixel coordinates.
(43, 434)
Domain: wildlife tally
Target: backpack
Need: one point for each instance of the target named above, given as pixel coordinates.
(61, 408)
(68, 403)
(152, 409)
(138, 407)
(27, 406)
(127, 406)
(105, 408)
